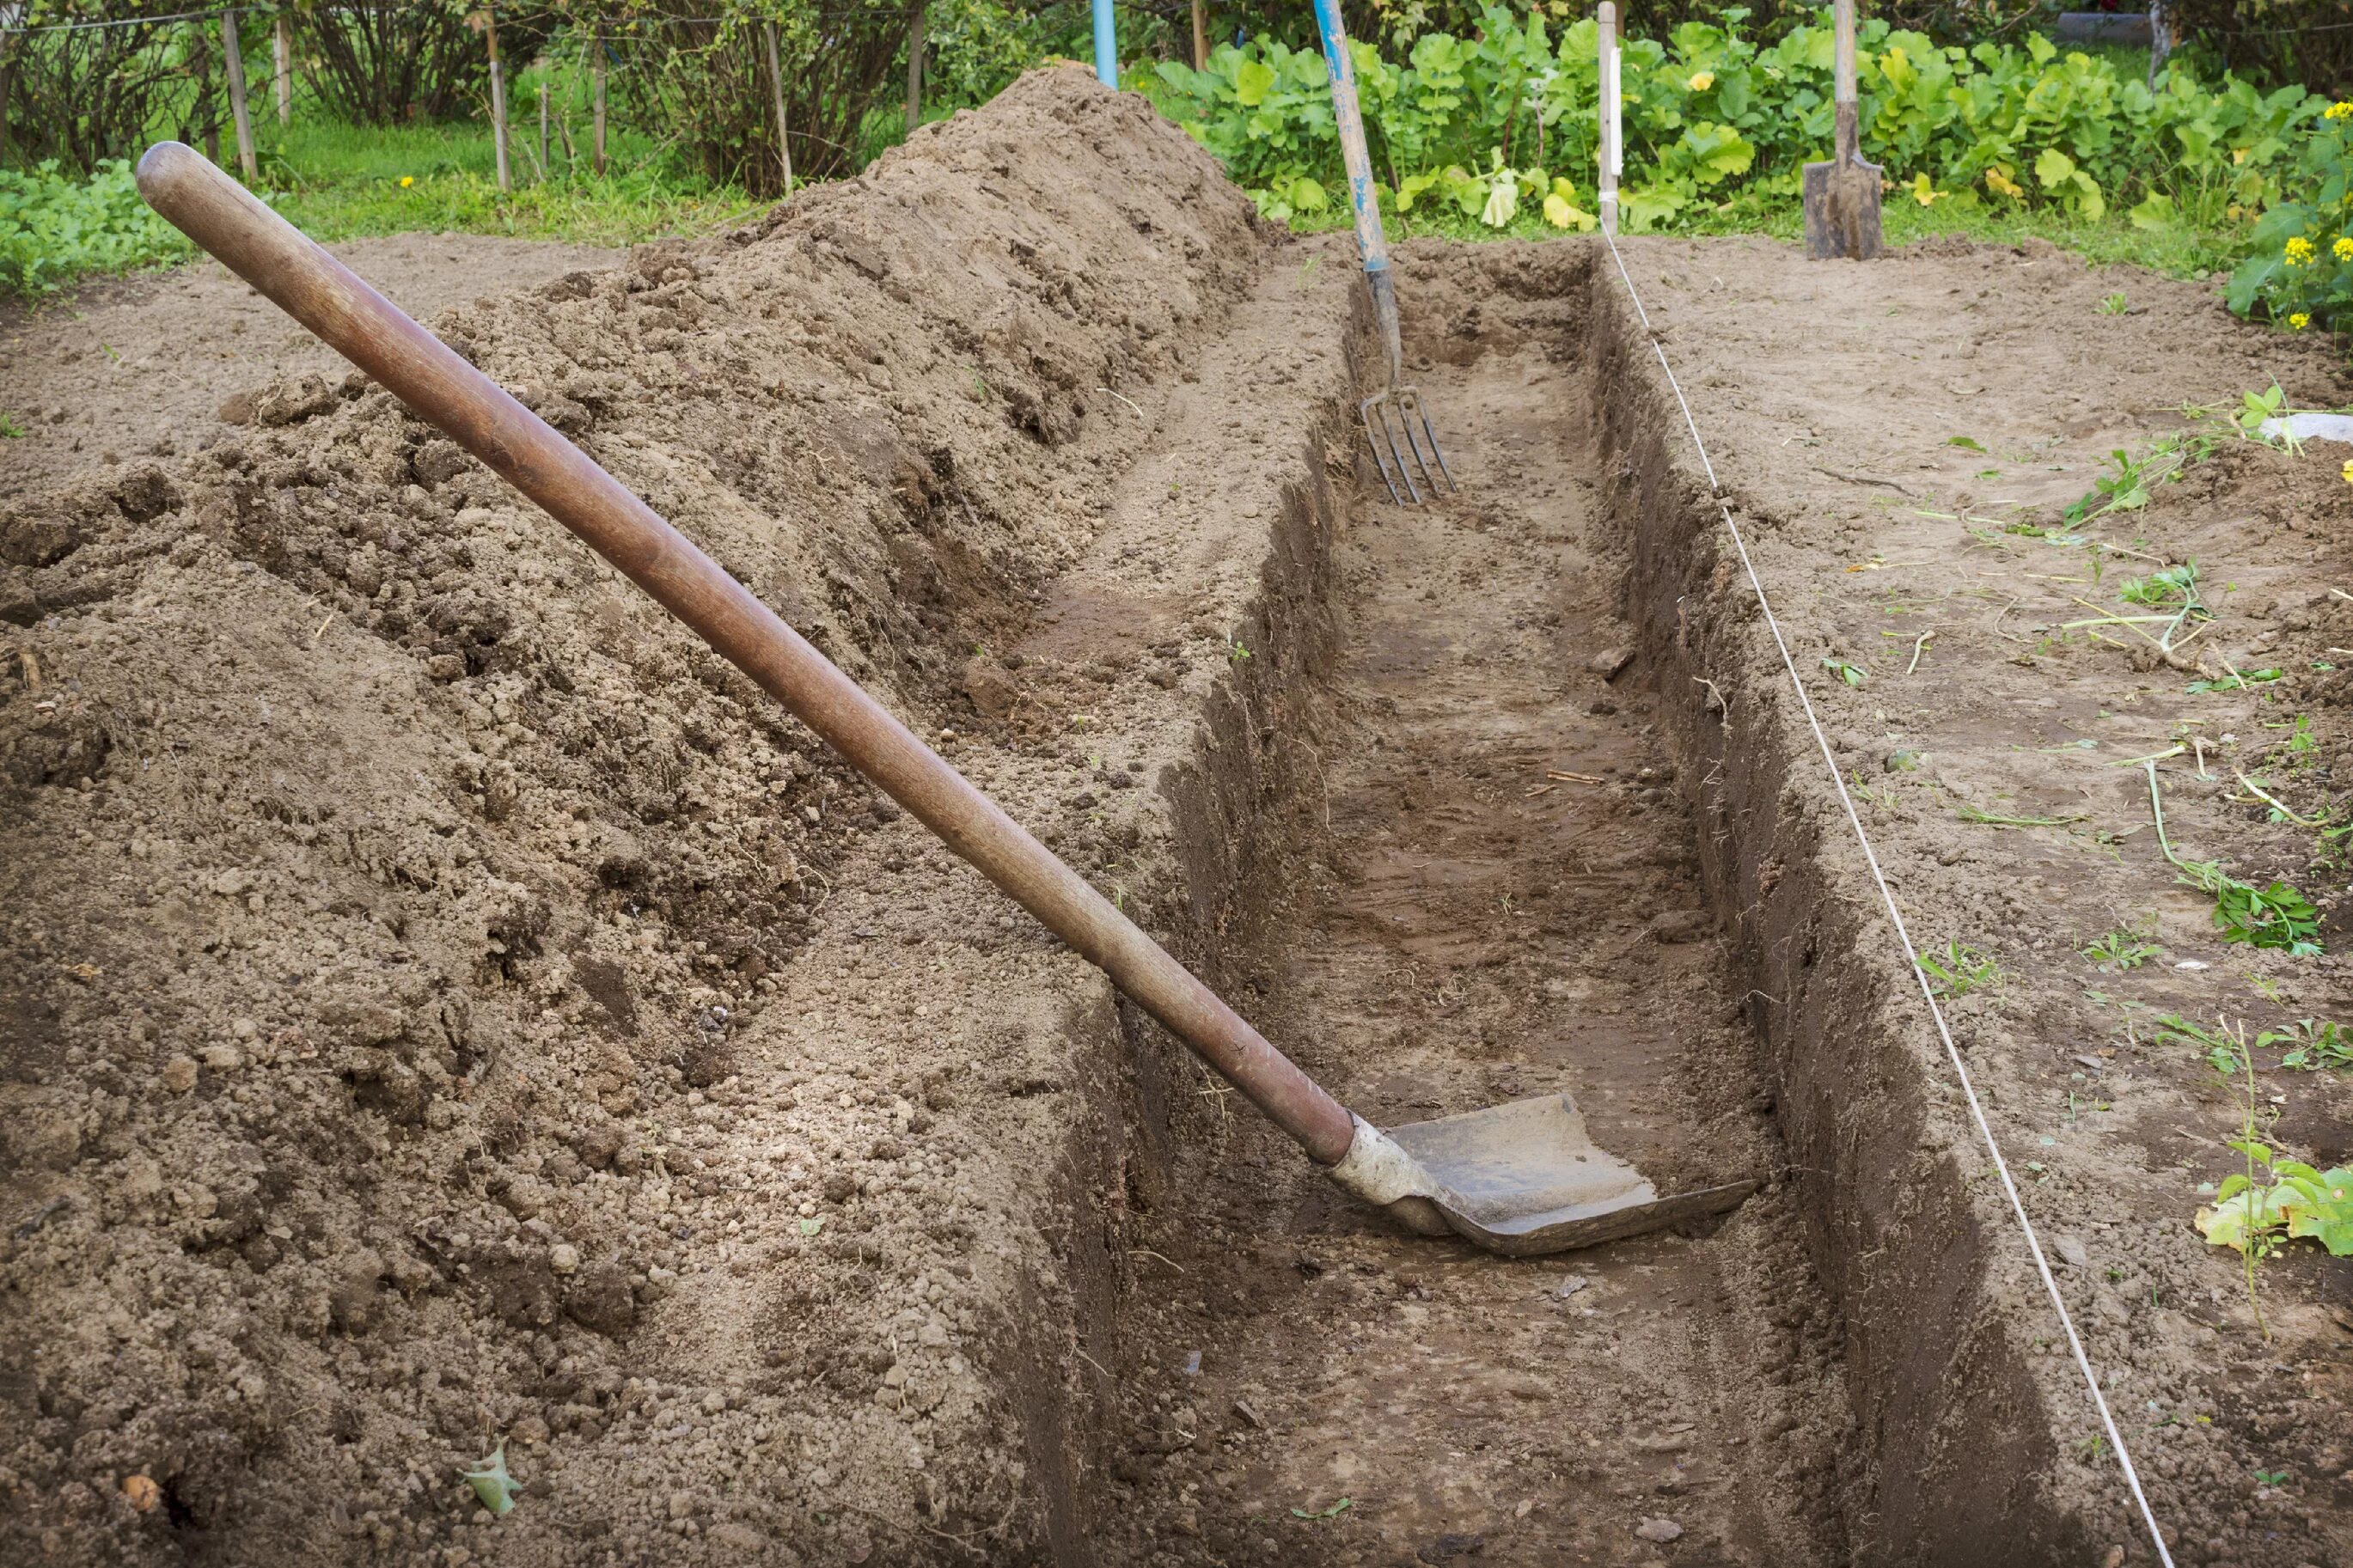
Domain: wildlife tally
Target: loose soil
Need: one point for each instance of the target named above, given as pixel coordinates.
(444, 1008)
(145, 367)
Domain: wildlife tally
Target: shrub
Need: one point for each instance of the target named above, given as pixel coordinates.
(83, 94)
(699, 71)
(406, 59)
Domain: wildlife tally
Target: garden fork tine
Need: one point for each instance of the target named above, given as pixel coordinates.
(1405, 401)
(1374, 411)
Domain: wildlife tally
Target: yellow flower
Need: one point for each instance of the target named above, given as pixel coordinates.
(2343, 248)
(2299, 251)
(2348, 470)
(2299, 320)
(2338, 111)
(1703, 81)
(406, 181)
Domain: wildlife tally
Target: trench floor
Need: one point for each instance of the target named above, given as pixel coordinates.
(1494, 894)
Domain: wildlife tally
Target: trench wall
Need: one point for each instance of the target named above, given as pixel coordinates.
(1908, 1235)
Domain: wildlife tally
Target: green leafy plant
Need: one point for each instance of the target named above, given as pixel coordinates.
(2299, 271)
(2126, 947)
(2314, 1045)
(2235, 680)
(2128, 489)
(1958, 970)
(2273, 1201)
(2114, 305)
(2277, 915)
(55, 227)
(1716, 120)
(9, 429)
(1853, 674)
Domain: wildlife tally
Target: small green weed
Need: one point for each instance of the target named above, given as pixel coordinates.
(2277, 915)
(1958, 970)
(2236, 681)
(2114, 305)
(2314, 1045)
(2257, 407)
(9, 429)
(1853, 674)
(2136, 477)
(2221, 1047)
(2127, 947)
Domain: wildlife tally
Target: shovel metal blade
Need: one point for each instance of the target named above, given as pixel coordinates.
(1843, 210)
(1521, 1179)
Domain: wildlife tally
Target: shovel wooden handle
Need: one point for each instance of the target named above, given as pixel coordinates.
(366, 329)
(1842, 93)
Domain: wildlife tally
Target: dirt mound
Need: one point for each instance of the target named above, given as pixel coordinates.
(147, 366)
(388, 885)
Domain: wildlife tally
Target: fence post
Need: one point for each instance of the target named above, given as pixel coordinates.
(596, 86)
(1106, 47)
(1200, 37)
(776, 91)
(1606, 102)
(497, 100)
(282, 59)
(233, 55)
(2160, 41)
(914, 66)
(543, 130)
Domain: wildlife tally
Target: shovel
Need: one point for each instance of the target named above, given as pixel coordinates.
(1521, 1178)
(1842, 195)
(1394, 401)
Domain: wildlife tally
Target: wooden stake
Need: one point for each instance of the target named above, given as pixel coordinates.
(1200, 37)
(596, 87)
(542, 130)
(235, 55)
(1606, 103)
(281, 57)
(776, 91)
(497, 100)
(7, 83)
(914, 66)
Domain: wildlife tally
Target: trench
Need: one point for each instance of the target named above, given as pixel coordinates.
(1469, 874)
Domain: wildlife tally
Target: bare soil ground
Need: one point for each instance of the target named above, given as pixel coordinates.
(443, 1008)
(1901, 442)
(143, 367)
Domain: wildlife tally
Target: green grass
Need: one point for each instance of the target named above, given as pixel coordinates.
(337, 181)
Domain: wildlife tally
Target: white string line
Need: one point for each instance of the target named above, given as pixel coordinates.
(1952, 1051)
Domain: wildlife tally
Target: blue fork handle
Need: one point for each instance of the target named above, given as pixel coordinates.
(1371, 244)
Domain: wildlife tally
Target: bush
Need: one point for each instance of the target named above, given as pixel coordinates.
(83, 94)
(2301, 273)
(705, 82)
(406, 59)
(55, 226)
(1713, 118)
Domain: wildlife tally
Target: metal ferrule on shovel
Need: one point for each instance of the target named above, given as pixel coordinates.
(1519, 1178)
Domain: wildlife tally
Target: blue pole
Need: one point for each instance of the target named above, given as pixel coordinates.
(1106, 47)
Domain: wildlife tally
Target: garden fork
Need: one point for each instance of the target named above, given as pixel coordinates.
(1396, 408)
